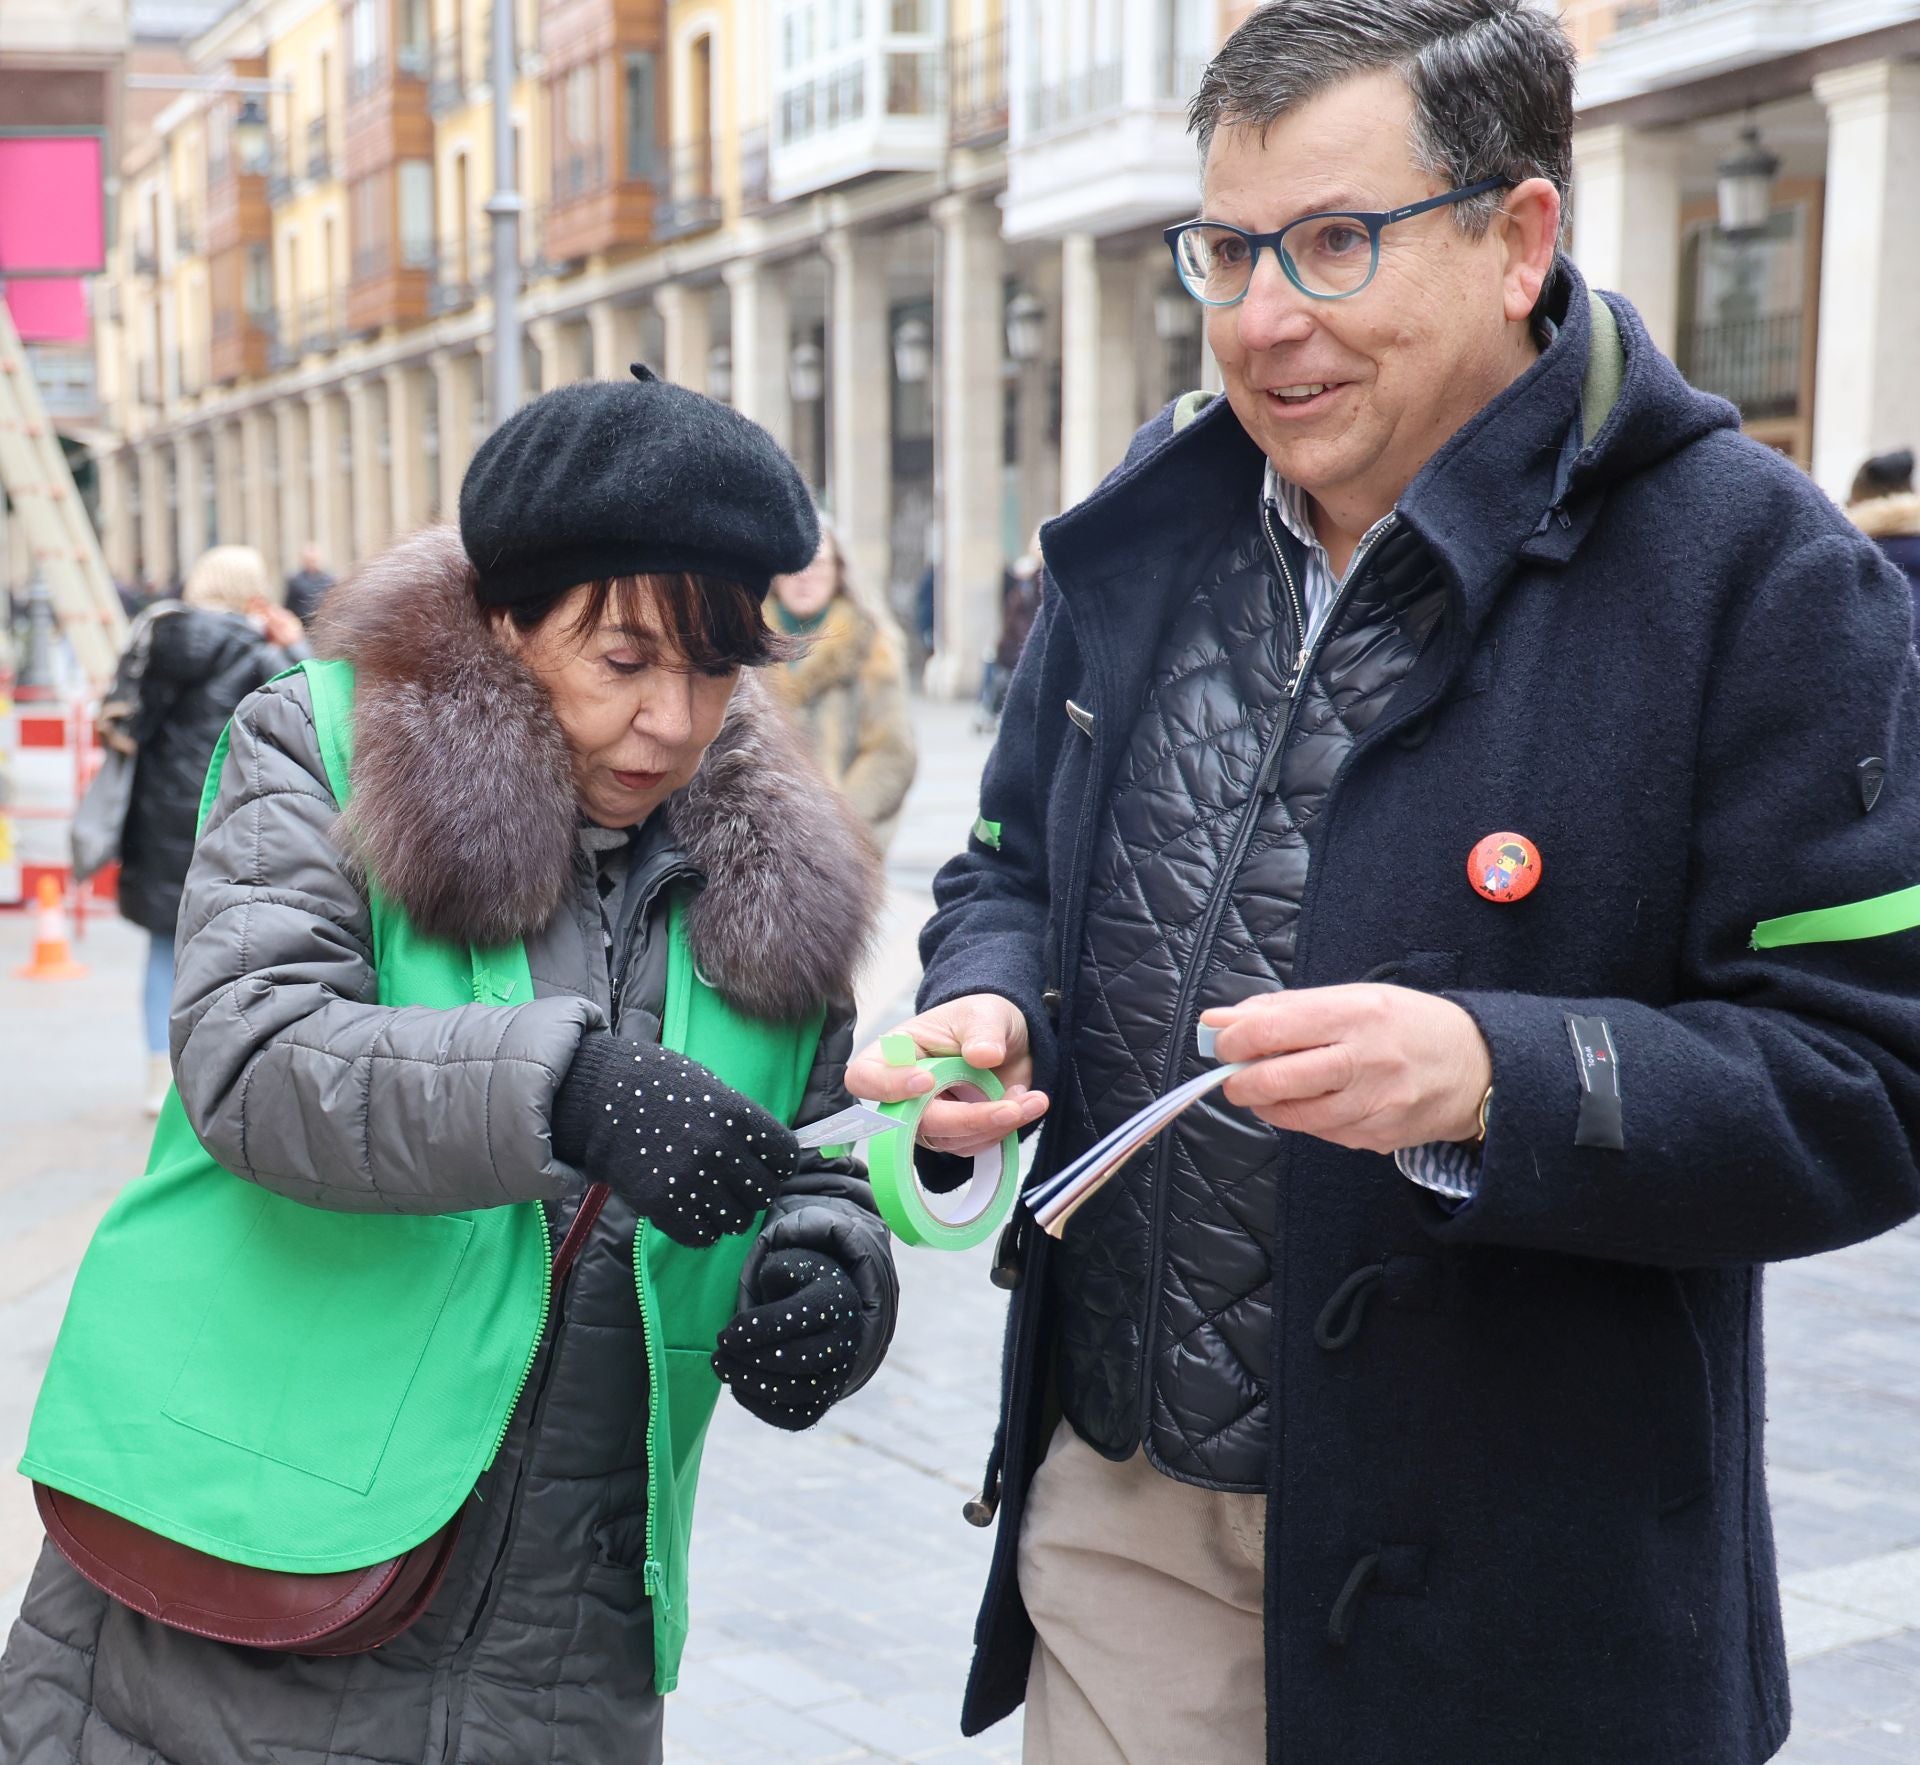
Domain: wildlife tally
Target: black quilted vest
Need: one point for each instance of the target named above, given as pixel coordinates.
(1194, 899)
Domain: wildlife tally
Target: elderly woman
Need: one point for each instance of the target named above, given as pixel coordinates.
(847, 686)
(501, 1067)
(185, 669)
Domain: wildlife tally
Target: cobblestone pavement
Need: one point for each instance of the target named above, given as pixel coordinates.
(835, 1580)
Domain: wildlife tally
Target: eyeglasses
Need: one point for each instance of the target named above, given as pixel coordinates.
(1327, 256)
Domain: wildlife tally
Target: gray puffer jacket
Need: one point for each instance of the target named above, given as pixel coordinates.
(539, 1645)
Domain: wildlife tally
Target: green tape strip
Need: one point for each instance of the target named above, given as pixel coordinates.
(1880, 917)
(970, 1215)
(987, 832)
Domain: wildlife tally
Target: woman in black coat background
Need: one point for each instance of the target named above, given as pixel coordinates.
(182, 677)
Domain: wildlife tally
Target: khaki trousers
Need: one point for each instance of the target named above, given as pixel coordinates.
(1147, 1600)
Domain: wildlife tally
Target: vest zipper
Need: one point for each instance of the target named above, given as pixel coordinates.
(539, 1334)
(1264, 782)
(653, 1572)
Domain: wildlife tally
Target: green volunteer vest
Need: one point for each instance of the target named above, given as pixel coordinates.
(303, 1390)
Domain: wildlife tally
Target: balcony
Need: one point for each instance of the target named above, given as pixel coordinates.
(687, 201)
(387, 119)
(186, 236)
(145, 263)
(242, 346)
(872, 105)
(280, 171)
(320, 321)
(1753, 363)
(447, 89)
(319, 159)
(389, 288)
(1099, 147)
(1647, 45)
(453, 287)
(977, 89)
(65, 375)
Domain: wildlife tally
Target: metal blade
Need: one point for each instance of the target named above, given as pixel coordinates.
(849, 1128)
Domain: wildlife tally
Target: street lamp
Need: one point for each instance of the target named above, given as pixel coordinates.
(1746, 187)
(720, 373)
(806, 373)
(913, 351)
(1026, 327)
(251, 141)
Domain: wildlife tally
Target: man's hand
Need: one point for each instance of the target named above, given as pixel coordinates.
(983, 1029)
(1374, 1068)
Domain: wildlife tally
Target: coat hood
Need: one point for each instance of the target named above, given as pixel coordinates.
(463, 803)
(1888, 517)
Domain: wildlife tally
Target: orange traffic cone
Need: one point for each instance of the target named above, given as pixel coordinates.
(52, 954)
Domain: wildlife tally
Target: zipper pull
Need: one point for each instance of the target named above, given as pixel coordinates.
(653, 1578)
(1299, 672)
(1269, 772)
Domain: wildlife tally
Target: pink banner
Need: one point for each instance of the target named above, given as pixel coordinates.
(51, 206)
(49, 309)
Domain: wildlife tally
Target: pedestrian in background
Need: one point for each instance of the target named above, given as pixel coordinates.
(186, 669)
(307, 587)
(1886, 508)
(578, 826)
(1020, 589)
(847, 688)
(1512, 764)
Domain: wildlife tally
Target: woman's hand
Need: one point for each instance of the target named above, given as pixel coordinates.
(682, 1149)
(1374, 1068)
(985, 1030)
(789, 1355)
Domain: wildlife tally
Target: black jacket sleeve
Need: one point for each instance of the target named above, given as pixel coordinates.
(988, 932)
(827, 1206)
(1773, 1110)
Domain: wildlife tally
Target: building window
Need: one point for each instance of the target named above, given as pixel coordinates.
(413, 55)
(416, 214)
(642, 129)
(364, 46)
(258, 290)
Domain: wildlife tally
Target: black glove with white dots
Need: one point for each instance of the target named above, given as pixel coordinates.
(682, 1149)
(790, 1355)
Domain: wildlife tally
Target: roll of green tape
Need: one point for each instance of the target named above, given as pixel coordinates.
(968, 1216)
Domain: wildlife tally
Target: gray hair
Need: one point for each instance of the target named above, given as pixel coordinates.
(1492, 82)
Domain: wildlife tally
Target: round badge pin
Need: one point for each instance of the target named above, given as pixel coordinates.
(1504, 867)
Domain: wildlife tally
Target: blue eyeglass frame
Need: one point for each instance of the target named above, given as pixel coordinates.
(1373, 220)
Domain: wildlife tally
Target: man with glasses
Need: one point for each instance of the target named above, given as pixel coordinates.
(1519, 771)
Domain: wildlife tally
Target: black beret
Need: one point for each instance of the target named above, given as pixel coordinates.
(610, 478)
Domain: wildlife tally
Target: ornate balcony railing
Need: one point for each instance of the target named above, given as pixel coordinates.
(1078, 98)
(977, 87)
(319, 160)
(1753, 363)
(687, 201)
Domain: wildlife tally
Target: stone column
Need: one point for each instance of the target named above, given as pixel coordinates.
(190, 507)
(762, 341)
(453, 385)
(229, 469)
(116, 534)
(860, 418)
(156, 530)
(1081, 365)
(369, 475)
(330, 521)
(256, 497)
(614, 333)
(548, 338)
(1626, 220)
(1868, 388)
(967, 617)
(685, 313)
(407, 488)
(296, 509)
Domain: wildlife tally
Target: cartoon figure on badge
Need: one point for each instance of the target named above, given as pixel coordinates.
(1504, 867)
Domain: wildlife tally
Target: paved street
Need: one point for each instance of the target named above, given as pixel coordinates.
(834, 1578)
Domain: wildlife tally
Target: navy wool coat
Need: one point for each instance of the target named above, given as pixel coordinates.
(1517, 1507)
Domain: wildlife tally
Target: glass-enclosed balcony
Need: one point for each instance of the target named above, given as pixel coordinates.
(1097, 138)
(856, 89)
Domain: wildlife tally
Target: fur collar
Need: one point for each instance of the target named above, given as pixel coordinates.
(1888, 517)
(463, 804)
